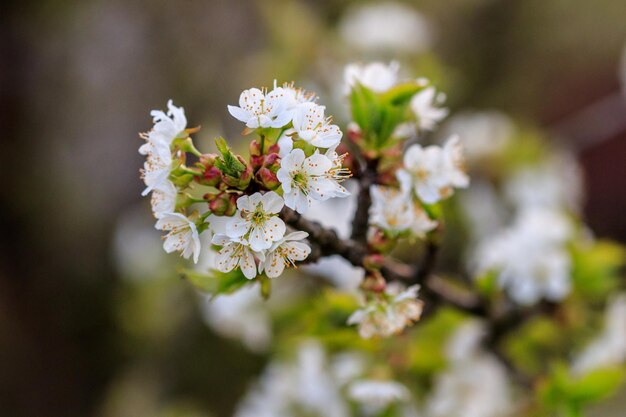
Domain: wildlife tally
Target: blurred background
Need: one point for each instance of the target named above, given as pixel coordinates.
(93, 320)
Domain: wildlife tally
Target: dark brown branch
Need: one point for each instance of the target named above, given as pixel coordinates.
(367, 178)
(326, 240)
(428, 262)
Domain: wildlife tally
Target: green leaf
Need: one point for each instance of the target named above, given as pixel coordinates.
(216, 282)
(596, 385)
(228, 163)
(596, 268)
(571, 395)
(401, 94)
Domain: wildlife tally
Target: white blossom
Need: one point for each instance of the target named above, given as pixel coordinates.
(475, 384)
(167, 127)
(306, 179)
(156, 168)
(432, 172)
(257, 109)
(296, 96)
(530, 257)
(182, 236)
(473, 388)
(236, 252)
(377, 393)
(385, 26)
(284, 253)
(376, 76)
(388, 314)
(609, 349)
(257, 220)
(311, 126)
(293, 388)
(163, 199)
(556, 184)
(426, 105)
(484, 133)
(394, 210)
(242, 315)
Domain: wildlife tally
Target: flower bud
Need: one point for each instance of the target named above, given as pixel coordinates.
(373, 261)
(211, 175)
(354, 133)
(223, 204)
(272, 162)
(373, 282)
(255, 148)
(267, 178)
(274, 148)
(240, 182)
(257, 161)
(377, 241)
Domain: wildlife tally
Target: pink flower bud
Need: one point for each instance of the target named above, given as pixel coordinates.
(267, 178)
(257, 161)
(223, 204)
(273, 149)
(373, 282)
(255, 148)
(272, 162)
(377, 241)
(373, 261)
(211, 175)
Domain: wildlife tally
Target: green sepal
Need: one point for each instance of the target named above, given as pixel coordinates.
(228, 163)
(266, 286)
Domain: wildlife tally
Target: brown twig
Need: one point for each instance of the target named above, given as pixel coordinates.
(367, 178)
(326, 240)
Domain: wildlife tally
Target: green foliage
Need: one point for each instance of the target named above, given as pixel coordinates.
(428, 340)
(323, 315)
(486, 284)
(568, 395)
(596, 268)
(536, 341)
(379, 114)
(216, 282)
(228, 163)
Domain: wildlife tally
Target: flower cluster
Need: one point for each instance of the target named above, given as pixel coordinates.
(531, 257)
(293, 162)
(389, 313)
(296, 159)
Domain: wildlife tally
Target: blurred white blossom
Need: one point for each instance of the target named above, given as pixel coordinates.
(389, 313)
(484, 133)
(475, 383)
(290, 389)
(241, 315)
(377, 76)
(556, 183)
(530, 257)
(609, 349)
(374, 395)
(433, 172)
(427, 107)
(384, 27)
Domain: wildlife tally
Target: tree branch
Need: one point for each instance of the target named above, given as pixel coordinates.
(326, 240)
(367, 178)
